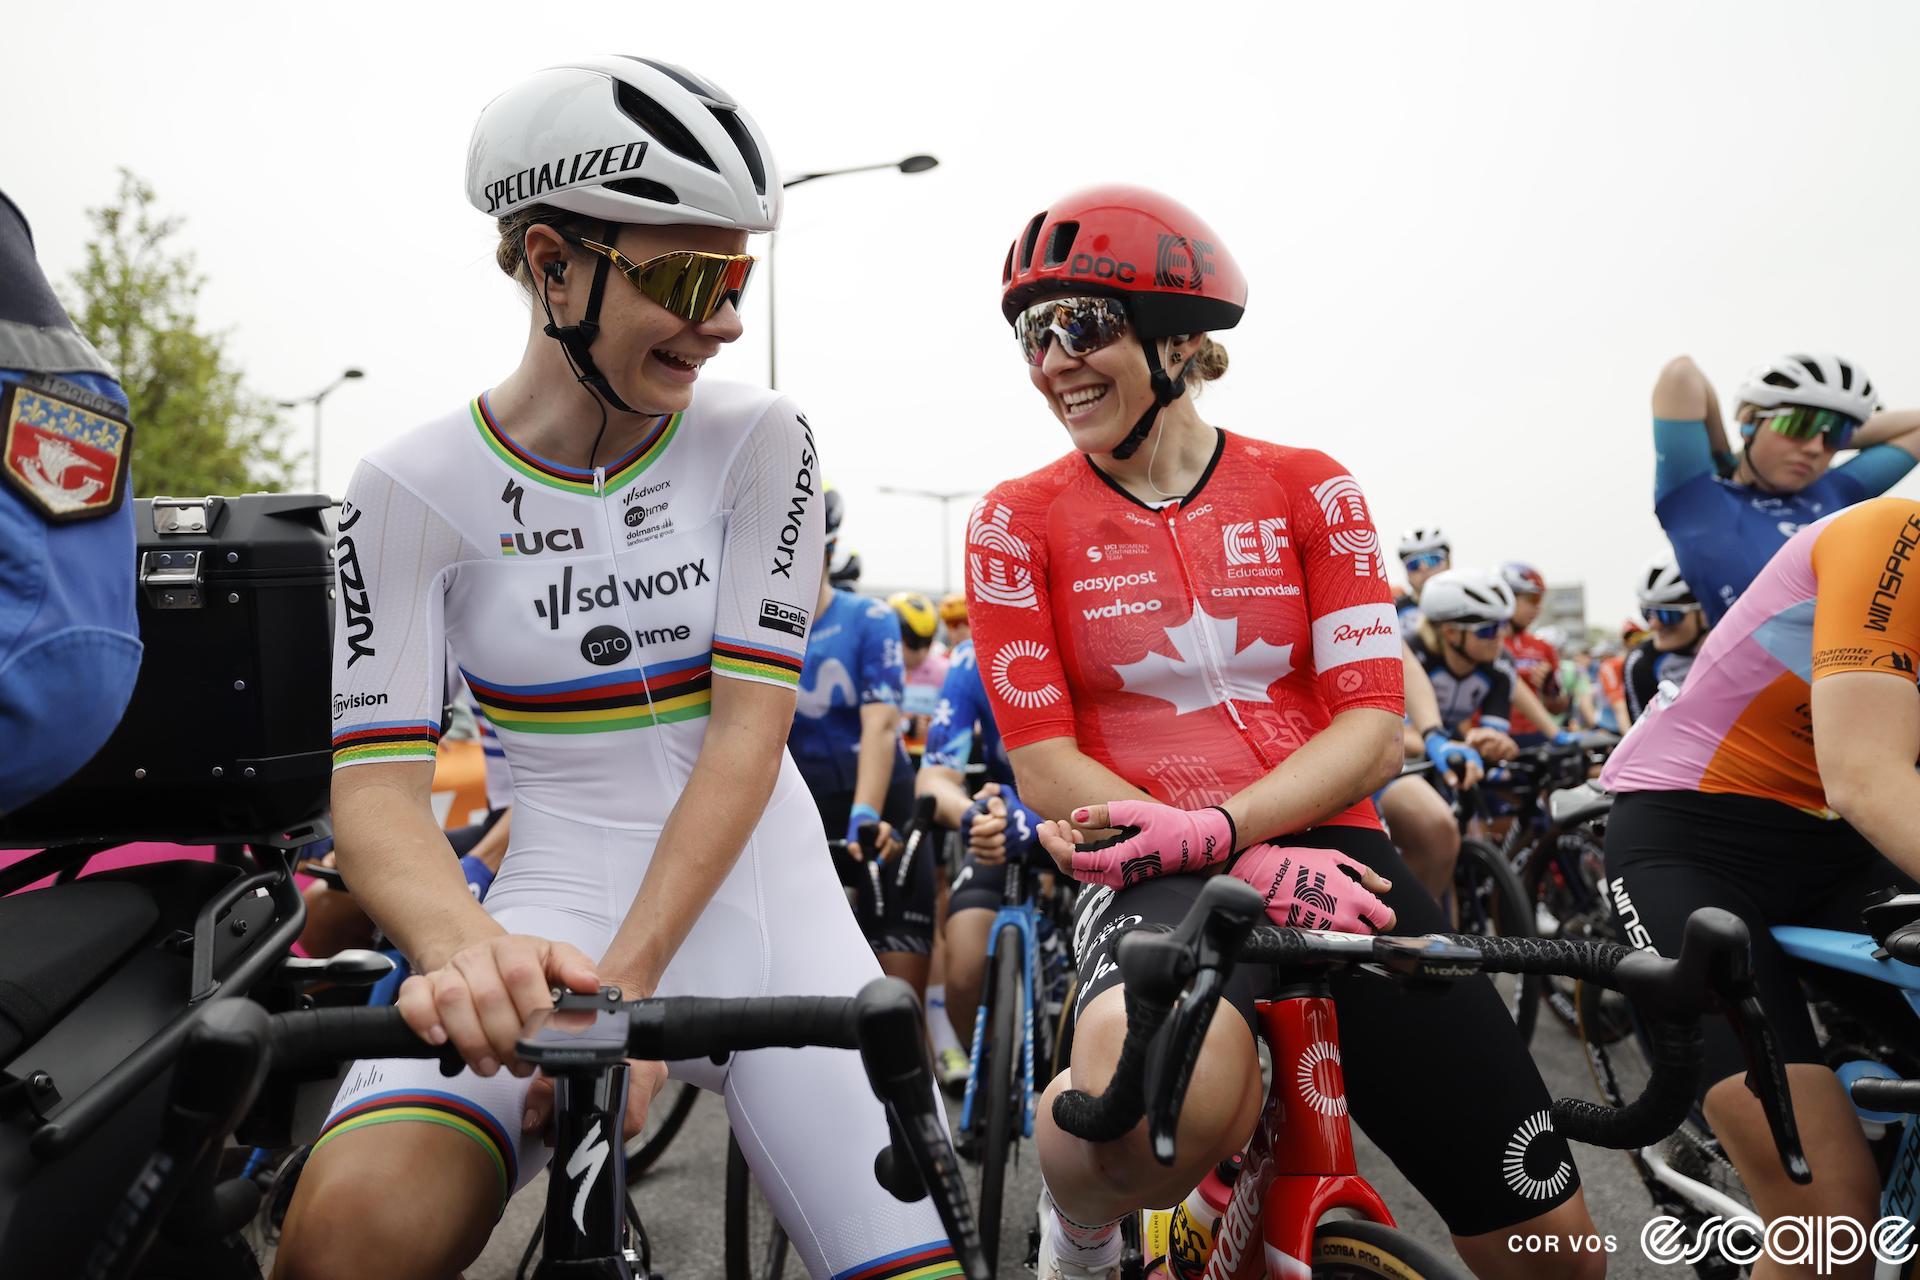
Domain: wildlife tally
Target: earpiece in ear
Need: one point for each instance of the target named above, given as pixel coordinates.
(1747, 429)
(556, 271)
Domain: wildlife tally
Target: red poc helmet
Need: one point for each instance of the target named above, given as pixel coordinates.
(1174, 272)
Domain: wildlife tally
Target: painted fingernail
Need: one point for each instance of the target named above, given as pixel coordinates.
(1082, 815)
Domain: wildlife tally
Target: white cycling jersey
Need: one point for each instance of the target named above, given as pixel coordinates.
(589, 613)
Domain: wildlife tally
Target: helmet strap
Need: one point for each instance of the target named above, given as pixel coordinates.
(1166, 389)
(576, 339)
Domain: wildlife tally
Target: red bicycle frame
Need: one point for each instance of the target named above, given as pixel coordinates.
(1299, 1164)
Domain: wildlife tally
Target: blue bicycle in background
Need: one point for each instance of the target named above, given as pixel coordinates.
(1020, 1022)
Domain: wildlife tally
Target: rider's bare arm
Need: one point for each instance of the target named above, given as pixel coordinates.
(1357, 754)
(879, 738)
(724, 798)
(948, 789)
(1897, 427)
(1423, 705)
(396, 858)
(1866, 737)
(1055, 777)
(1683, 394)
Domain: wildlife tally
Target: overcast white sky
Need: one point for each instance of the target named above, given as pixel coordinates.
(1473, 231)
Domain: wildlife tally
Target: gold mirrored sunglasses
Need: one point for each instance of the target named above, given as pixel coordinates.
(691, 284)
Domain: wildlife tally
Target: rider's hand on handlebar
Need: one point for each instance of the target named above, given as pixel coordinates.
(480, 999)
(1316, 889)
(1459, 764)
(1494, 746)
(1152, 840)
(888, 843)
(999, 826)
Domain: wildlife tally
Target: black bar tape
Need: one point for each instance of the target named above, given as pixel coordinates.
(670, 1028)
(320, 1039)
(1676, 1051)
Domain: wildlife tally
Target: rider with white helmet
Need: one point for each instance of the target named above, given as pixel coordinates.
(1466, 614)
(1424, 551)
(1727, 514)
(1678, 628)
(622, 557)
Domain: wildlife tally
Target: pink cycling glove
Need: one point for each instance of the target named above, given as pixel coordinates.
(1154, 840)
(1312, 889)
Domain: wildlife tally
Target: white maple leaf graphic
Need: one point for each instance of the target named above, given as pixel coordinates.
(1211, 668)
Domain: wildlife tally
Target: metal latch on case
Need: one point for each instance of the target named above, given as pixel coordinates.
(172, 579)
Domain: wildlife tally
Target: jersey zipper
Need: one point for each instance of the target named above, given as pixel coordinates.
(1210, 661)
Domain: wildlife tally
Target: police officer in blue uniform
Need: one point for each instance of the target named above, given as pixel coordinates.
(69, 637)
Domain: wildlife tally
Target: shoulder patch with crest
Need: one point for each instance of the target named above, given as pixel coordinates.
(66, 450)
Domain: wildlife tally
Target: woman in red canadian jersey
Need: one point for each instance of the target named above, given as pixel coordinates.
(1187, 635)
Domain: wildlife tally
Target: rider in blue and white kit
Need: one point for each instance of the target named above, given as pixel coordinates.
(1727, 515)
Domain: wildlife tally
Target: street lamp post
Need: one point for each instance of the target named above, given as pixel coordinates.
(945, 497)
(912, 164)
(315, 400)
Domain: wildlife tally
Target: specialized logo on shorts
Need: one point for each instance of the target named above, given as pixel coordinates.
(1350, 531)
(1322, 1083)
(1017, 693)
(1255, 541)
(1523, 1181)
(1001, 572)
(1190, 682)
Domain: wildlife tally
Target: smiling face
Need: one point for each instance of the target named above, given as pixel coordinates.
(1099, 396)
(650, 355)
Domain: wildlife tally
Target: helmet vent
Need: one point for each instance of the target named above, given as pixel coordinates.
(1812, 366)
(1775, 378)
(646, 189)
(685, 79)
(1060, 243)
(1028, 240)
(1006, 271)
(730, 121)
(661, 125)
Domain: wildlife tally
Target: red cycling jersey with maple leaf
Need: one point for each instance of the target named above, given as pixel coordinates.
(1190, 647)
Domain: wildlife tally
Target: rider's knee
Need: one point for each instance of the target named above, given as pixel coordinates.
(345, 1222)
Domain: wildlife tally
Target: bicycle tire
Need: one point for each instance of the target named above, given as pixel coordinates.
(748, 1257)
(1491, 901)
(997, 1136)
(647, 1146)
(1356, 1250)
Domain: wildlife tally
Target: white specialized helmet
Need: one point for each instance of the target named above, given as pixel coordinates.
(1466, 595)
(1424, 540)
(624, 139)
(1817, 382)
(1660, 585)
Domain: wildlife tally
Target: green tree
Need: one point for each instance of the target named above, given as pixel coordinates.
(196, 428)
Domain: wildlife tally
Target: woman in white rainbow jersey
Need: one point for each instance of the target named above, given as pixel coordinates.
(622, 557)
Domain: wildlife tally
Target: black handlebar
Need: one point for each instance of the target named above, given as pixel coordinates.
(1712, 974)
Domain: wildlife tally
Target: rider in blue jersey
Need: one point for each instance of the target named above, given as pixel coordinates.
(1727, 515)
(996, 823)
(846, 741)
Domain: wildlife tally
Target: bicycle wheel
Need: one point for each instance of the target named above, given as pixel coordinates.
(1002, 1086)
(664, 1119)
(756, 1246)
(1564, 883)
(1355, 1250)
(1492, 903)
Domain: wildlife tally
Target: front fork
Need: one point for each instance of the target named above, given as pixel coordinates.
(1300, 1164)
